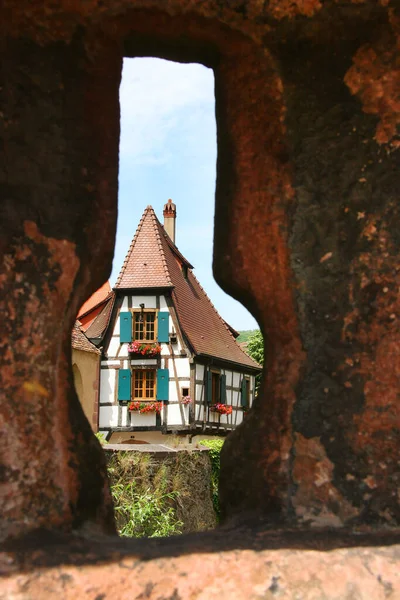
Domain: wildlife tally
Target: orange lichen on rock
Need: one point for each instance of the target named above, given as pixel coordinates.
(375, 78)
(374, 435)
(317, 501)
(281, 9)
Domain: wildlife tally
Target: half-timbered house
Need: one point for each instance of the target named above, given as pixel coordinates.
(170, 363)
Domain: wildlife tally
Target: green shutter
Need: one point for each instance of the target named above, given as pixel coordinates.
(208, 387)
(162, 385)
(243, 398)
(124, 385)
(163, 327)
(222, 389)
(125, 327)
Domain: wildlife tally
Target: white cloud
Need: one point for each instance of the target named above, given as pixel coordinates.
(155, 95)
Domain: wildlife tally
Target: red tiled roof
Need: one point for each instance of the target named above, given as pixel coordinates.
(79, 341)
(97, 328)
(206, 332)
(144, 265)
(95, 299)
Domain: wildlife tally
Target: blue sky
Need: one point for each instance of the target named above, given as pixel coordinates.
(168, 150)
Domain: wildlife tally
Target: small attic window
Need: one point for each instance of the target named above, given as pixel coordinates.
(185, 271)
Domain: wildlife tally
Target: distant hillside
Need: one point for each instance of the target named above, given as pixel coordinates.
(244, 335)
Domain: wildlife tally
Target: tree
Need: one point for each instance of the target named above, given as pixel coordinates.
(255, 349)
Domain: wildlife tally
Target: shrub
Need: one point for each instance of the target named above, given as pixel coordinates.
(101, 438)
(144, 514)
(215, 447)
(160, 497)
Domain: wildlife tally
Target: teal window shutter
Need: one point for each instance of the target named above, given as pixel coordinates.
(163, 327)
(125, 327)
(208, 387)
(163, 385)
(222, 389)
(124, 385)
(243, 395)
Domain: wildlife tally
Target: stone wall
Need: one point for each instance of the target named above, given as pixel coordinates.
(164, 470)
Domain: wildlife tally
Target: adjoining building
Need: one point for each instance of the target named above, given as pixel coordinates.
(170, 363)
(86, 371)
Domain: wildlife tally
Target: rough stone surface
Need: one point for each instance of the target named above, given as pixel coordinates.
(247, 563)
(307, 238)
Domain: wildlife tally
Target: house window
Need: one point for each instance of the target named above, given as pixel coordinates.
(144, 384)
(215, 388)
(144, 326)
(185, 392)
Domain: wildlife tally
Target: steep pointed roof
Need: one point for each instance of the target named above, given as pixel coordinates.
(153, 261)
(207, 333)
(145, 264)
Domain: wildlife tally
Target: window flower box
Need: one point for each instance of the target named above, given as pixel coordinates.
(144, 350)
(221, 409)
(145, 407)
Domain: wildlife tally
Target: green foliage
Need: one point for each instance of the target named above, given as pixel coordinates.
(215, 447)
(144, 513)
(101, 438)
(245, 335)
(255, 349)
(160, 497)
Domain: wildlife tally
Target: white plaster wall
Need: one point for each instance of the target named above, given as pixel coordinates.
(116, 327)
(123, 351)
(199, 392)
(148, 301)
(229, 397)
(229, 378)
(125, 416)
(164, 350)
(174, 416)
(235, 398)
(236, 379)
(107, 385)
(182, 367)
(163, 304)
(113, 346)
(200, 372)
(106, 363)
(239, 417)
(124, 305)
(172, 394)
(108, 417)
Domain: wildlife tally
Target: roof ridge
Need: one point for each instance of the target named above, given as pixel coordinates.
(132, 245)
(175, 248)
(107, 305)
(105, 299)
(157, 227)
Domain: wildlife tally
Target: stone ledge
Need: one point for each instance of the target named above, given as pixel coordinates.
(226, 564)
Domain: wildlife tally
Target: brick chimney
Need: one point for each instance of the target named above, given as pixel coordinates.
(170, 219)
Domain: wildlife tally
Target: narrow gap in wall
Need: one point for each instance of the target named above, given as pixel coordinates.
(167, 151)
